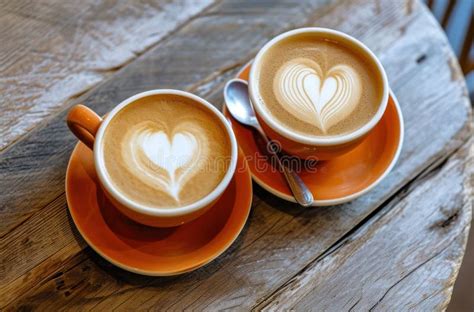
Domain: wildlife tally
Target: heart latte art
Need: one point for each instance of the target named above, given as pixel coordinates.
(319, 98)
(166, 151)
(165, 160)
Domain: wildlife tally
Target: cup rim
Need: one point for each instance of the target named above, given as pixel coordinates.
(161, 211)
(287, 133)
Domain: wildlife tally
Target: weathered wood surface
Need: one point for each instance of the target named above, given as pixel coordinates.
(44, 262)
(402, 257)
(53, 51)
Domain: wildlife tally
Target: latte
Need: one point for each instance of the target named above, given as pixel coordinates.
(318, 86)
(166, 151)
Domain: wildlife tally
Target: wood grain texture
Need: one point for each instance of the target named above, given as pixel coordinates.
(280, 239)
(52, 51)
(407, 256)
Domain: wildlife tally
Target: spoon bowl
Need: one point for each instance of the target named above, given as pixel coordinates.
(236, 93)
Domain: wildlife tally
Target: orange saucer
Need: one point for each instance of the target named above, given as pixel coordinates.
(154, 251)
(338, 180)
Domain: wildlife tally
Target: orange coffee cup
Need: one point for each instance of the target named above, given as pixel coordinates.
(88, 127)
(300, 145)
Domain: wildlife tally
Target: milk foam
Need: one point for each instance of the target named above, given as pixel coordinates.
(329, 86)
(165, 151)
(165, 161)
(322, 99)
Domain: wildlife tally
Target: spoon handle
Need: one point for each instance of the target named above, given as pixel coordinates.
(300, 191)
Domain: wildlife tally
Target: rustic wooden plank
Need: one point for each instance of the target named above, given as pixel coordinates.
(50, 236)
(54, 50)
(406, 257)
(278, 242)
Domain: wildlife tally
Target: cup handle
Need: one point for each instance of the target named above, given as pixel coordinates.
(84, 123)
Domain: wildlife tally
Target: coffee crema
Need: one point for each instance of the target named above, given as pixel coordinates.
(318, 86)
(166, 151)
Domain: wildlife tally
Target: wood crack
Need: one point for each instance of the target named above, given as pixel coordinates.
(355, 304)
(404, 277)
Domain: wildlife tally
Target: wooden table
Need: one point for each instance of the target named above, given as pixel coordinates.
(400, 246)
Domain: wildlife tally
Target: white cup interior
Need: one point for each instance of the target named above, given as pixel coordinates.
(160, 211)
(309, 140)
